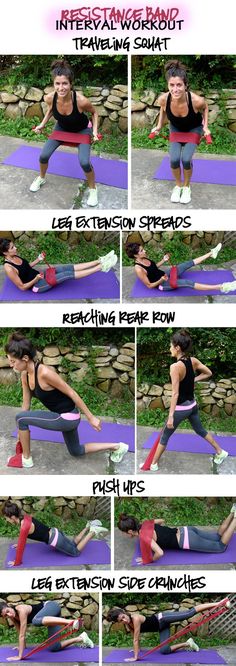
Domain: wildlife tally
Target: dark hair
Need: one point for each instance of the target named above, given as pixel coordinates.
(176, 68)
(127, 523)
(3, 604)
(182, 339)
(114, 614)
(10, 509)
(19, 346)
(132, 249)
(61, 68)
(4, 245)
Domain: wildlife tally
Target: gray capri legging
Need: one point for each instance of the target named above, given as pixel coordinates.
(165, 619)
(62, 543)
(83, 149)
(52, 609)
(181, 268)
(186, 412)
(63, 272)
(183, 151)
(205, 541)
(67, 424)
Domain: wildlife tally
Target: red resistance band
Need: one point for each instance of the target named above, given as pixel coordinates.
(147, 463)
(173, 277)
(185, 137)
(24, 531)
(145, 538)
(60, 635)
(186, 630)
(70, 138)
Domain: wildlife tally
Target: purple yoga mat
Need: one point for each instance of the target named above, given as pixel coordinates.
(70, 654)
(216, 172)
(190, 443)
(108, 172)
(111, 432)
(186, 557)
(98, 285)
(182, 656)
(139, 289)
(41, 555)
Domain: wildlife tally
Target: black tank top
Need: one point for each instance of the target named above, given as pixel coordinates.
(25, 271)
(186, 385)
(166, 537)
(53, 399)
(35, 609)
(75, 122)
(153, 272)
(187, 123)
(41, 531)
(150, 623)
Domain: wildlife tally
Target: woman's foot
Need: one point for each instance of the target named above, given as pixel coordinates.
(215, 250)
(224, 602)
(118, 455)
(92, 523)
(37, 183)
(176, 194)
(98, 529)
(220, 457)
(92, 199)
(86, 640)
(228, 286)
(154, 467)
(185, 197)
(105, 256)
(192, 645)
(19, 461)
(233, 508)
(108, 263)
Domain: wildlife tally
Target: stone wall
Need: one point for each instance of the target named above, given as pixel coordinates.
(111, 103)
(213, 397)
(110, 368)
(145, 107)
(70, 237)
(84, 605)
(87, 507)
(193, 238)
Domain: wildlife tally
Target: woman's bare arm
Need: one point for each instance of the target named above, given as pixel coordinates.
(14, 277)
(53, 380)
(203, 370)
(142, 275)
(85, 105)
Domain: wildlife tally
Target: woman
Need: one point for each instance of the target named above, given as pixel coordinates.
(184, 374)
(69, 109)
(188, 113)
(32, 528)
(46, 614)
(152, 277)
(62, 402)
(161, 623)
(25, 277)
(153, 543)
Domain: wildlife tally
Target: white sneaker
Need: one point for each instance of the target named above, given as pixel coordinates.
(108, 262)
(215, 250)
(105, 256)
(37, 183)
(98, 529)
(86, 640)
(185, 197)
(228, 286)
(176, 194)
(192, 645)
(118, 454)
(220, 457)
(233, 508)
(27, 462)
(92, 199)
(91, 523)
(154, 467)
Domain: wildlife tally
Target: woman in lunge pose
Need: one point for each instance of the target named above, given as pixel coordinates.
(155, 537)
(42, 614)
(184, 374)
(24, 276)
(62, 402)
(69, 108)
(32, 528)
(187, 114)
(148, 271)
(160, 623)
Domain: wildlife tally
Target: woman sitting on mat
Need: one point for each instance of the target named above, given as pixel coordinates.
(25, 277)
(62, 402)
(187, 113)
(42, 614)
(138, 624)
(183, 404)
(69, 108)
(155, 537)
(32, 528)
(148, 271)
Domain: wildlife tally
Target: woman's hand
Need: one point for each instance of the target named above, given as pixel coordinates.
(38, 277)
(165, 278)
(95, 136)
(206, 130)
(95, 422)
(14, 658)
(41, 256)
(131, 659)
(156, 129)
(38, 128)
(11, 563)
(170, 422)
(166, 257)
(138, 560)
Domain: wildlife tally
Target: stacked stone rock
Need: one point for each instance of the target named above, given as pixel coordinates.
(113, 367)
(84, 605)
(87, 507)
(152, 239)
(145, 107)
(111, 103)
(72, 238)
(213, 397)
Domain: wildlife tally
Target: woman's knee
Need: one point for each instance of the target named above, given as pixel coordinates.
(21, 421)
(187, 165)
(85, 164)
(165, 649)
(43, 158)
(56, 647)
(175, 164)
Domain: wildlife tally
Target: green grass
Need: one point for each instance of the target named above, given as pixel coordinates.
(120, 639)
(156, 418)
(180, 252)
(176, 511)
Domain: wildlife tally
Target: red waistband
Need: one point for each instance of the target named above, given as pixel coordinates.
(185, 137)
